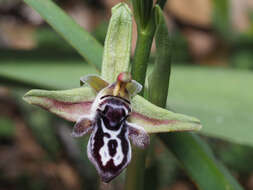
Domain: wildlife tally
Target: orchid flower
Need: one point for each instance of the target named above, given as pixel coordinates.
(109, 108)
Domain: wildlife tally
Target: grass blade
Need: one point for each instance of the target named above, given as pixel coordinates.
(80, 39)
(195, 156)
(199, 162)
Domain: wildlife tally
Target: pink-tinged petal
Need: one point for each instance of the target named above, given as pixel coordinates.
(138, 135)
(155, 119)
(83, 126)
(68, 104)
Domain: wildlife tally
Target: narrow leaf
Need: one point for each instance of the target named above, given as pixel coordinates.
(118, 41)
(38, 75)
(189, 149)
(80, 39)
(159, 78)
(68, 104)
(199, 162)
(155, 119)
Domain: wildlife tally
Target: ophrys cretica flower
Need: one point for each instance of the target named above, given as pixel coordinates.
(109, 147)
(112, 111)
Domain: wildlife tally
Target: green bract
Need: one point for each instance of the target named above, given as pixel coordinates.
(72, 104)
(118, 42)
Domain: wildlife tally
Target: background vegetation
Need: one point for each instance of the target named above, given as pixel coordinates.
(211, 79)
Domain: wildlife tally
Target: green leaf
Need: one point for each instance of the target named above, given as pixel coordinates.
(197, 159)
(68, 104)
(81, 40)
(220, 98)
(26, 73)
(116, 58)
(199, 162)
(158, 88)
(155, 119)
(159, 78)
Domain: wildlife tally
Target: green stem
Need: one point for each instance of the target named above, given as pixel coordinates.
(141, 57)
(146, 29)
(135, 170)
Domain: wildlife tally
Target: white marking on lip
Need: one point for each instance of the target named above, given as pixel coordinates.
(119, 156)
(104, 150)
(129, 154)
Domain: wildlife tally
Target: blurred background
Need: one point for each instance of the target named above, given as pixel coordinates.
(211, 79)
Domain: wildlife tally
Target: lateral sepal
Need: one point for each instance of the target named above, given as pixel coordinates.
(155, 119)
(68, 104)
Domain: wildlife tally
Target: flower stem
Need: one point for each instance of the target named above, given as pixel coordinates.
(144, 17)
(141, 57)
(135, 170)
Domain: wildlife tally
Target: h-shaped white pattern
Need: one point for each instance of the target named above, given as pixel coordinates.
(104, 151)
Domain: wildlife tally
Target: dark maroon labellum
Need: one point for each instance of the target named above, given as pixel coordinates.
(109, 147)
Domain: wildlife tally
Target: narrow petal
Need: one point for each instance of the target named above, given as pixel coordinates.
(138, 135)
(94, 81)
(68, 104)
(133, 87)
(155, 119)
(82, 126)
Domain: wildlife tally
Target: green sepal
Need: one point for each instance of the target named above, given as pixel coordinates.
(75, 103)
(117, 49)
(155, 119)
(68, 104)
